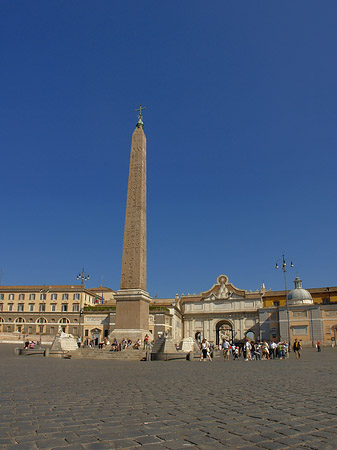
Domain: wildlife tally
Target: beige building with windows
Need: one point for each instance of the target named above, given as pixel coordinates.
(40, 310)
(310, 316)
(222, 311)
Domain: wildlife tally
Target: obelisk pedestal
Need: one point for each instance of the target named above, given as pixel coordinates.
(132, 300)
(132, 314)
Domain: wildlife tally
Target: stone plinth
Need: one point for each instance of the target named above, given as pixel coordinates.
(188, 345)
(165, 350)
(132, 314)
(65, 342)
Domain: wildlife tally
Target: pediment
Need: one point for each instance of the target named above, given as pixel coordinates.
(223, 290)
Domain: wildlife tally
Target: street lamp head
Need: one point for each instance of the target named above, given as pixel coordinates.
(291, 264)
(276, 266)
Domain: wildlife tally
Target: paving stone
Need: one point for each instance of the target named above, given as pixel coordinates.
(71, 405)
(148, 440)
(83, 439)
(178, 444)
(272, 445)
(24, 446)
(70, 447)
(4, 441)
(46, 444)
(255, 438)
(291, 441)
(98, 446)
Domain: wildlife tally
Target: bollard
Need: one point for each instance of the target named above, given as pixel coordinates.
(190, 356)
(46, 352)
(17, 351)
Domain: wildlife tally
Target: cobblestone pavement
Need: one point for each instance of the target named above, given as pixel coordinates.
(98, 404)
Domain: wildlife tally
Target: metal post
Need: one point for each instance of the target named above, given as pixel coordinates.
(284, 268)
(287, 303)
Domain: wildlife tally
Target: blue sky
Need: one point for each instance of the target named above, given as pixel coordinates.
(241, 131)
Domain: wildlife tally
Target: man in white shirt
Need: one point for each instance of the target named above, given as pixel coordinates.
(225, 347)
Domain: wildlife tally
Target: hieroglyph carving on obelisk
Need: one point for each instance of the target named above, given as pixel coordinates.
(134, 247)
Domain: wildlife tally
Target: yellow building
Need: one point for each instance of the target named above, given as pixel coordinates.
(309, 316)
(323, 295)
(42, 309)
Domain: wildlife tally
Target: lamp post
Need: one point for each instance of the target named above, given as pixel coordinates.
(81, 327)
(83, 276)
(284, 268)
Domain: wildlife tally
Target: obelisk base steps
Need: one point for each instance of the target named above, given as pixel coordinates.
(132, 315)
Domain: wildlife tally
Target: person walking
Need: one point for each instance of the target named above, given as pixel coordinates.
(203, 353)
(318, 346)
(248, 348)
(297, 347)
(146, 342)
(225, 346)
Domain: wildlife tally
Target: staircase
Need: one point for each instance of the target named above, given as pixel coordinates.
(129, 354)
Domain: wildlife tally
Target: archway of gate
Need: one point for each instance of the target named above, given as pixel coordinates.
(224, 330)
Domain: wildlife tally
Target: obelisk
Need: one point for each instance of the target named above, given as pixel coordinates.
(132, 300)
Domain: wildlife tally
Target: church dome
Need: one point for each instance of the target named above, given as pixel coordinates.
(299, 296)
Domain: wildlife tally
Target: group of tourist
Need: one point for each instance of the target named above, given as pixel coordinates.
(206, 350)
(119, 346)
(29, 344)
(249, 350)
(257, 350)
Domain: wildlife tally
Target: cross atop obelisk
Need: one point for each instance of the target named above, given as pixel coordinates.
(140, 117)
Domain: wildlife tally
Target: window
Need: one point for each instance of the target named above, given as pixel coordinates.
(76, 296)
(64, 307)
(40, 324)
(20, 306)
(53, 307)
(65, 296)
(76, 307)
(276, 303)
(64, 321)
(300, 330)
(75, 330)
(42, 307)
(21, 296)
(31, 296)
(43, 296)
(41, 320)
(1, 306)
(54, 296)
(300, 314)
(2, 296)
(52, 330)
(11, 297)
(30, 330)
(31, 307)
(10, 307)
